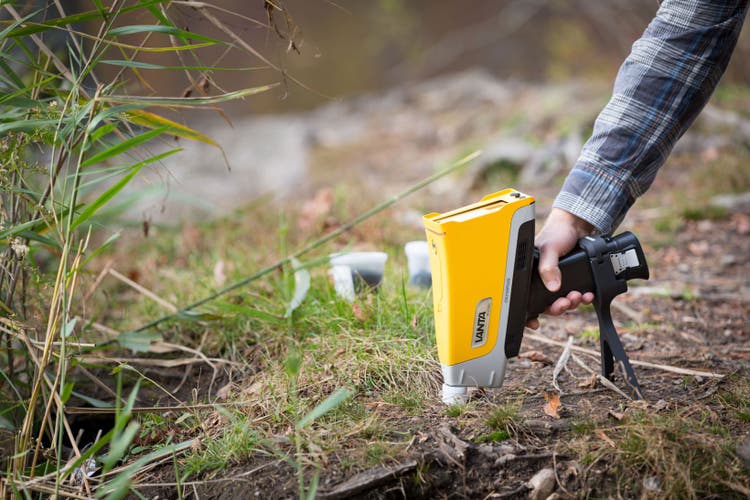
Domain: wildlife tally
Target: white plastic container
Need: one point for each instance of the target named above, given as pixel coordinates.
(418, 263)
(355, 272)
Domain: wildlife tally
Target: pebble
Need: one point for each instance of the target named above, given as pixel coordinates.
(542, 484)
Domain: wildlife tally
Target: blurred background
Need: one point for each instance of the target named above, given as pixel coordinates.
(381, 92)
(346, 47)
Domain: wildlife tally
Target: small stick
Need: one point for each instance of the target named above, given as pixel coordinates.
(564, 357)
(162, 363)
(604, 380)
(635, 362)
(144, 291)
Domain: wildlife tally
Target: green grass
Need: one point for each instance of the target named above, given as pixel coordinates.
(381, 347)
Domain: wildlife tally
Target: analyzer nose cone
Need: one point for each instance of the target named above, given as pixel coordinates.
(453, 395)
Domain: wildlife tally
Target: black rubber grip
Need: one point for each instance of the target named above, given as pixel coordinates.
(576, 270)
(576, 275)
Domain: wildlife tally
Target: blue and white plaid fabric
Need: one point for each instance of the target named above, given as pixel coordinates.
(660, 89)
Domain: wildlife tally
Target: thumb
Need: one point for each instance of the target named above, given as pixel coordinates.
(548, 270)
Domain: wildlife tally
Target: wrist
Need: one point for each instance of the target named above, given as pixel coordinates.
(580, 226)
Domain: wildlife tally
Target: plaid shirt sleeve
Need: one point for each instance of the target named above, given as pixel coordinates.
(660, 89)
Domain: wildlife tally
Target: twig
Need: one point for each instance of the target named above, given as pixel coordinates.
(635, 362)
(234, 477)
(317, 243)
(561, 363)
(161, 363)
(144, 291)
(602, 379)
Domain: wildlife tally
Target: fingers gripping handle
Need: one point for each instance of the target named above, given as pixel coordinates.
(601, 265)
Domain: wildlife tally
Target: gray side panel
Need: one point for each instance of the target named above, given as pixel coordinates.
(489, 370)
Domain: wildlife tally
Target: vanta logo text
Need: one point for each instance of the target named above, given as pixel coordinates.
(481, 322)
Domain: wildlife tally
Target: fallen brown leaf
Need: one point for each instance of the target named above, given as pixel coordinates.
(588, 383)
(223, 393)
(537, 356)
(616, 415)
(553, 405)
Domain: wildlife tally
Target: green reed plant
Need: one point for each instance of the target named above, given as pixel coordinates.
(70, 142)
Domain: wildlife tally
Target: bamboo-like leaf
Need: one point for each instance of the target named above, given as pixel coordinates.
(328, 404)
(119, 445)
(123, 146)
(241, 310)
(90, 15)
(27, 125)
(119, 486)
(167, 30)
(151, 120)
(137, 341)
(107, 195)
(11, 74)
(35, 236)
(96, 403)
(69, 328)
(100, 249)
(144, 65)
(67, 391)
(6, 424)
(198, 316)
(102, 131)
(187, 102)
(4, 235)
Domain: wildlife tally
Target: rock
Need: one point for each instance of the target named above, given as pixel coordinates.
(651, 484)
(505, 459)
(556, 496)
(731, 201)
(542, 484)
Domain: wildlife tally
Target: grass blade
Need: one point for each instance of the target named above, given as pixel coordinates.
(328, 404)
(167, 30)
(151, 120)
(123, 146)
(187, 102)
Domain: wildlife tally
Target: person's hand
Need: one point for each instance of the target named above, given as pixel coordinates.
(559, 235)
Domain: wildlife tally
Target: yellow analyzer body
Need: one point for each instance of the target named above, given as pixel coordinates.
(481, 259)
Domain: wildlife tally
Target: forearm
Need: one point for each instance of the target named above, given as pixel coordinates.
(660, 89)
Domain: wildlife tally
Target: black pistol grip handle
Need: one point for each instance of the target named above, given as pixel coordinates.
(576, 275)
(576, 270)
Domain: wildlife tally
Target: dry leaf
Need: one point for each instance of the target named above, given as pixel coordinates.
(588, 383)
(616, 415)
(223, 393)
(553, 405)
(605, 438)
(537, 356)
